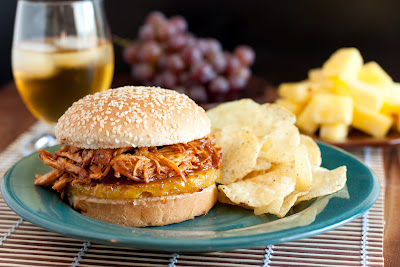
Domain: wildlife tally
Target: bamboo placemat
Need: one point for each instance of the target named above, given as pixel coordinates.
(358, 243)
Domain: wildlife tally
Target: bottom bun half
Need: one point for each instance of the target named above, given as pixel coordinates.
(148, 211)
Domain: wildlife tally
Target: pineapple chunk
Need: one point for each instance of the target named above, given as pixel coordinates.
(318, 82)
(371, 122)
(344, 92)
(322, 86)
(391, 104)
(316, 75)
(296, 92)
(373, 74)
(336, 132)
(293, 107)
(305, 121)
(363, 94)
(344, 63)
(331, 108)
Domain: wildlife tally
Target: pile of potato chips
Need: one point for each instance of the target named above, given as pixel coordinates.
(267, 164)
(345, 93)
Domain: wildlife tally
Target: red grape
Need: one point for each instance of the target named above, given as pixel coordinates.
(129, 54)
(191, 54)
(158, 81)
(175, 63)
(165, 79)
(202, 72)
(243, 73)
(162, 62)
(177, 43)
(190, 39)
(245, 54)
(208, 46)
(213, 45)
(179, 22)
(202, 45)
(219, 85)
(166, 31)
(155, 18)
(198, 93)
(143, 72)
(185, 79)
(217, 61)
(149, 52)
(170, 79)
(236, 82)
(232, 63)
(147, 32)
(181, 89)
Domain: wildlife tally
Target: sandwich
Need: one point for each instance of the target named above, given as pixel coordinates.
(135, 156)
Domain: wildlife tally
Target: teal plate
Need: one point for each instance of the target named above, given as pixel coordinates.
(223, 228)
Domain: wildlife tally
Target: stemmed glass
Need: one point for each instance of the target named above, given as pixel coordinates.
(62, 51)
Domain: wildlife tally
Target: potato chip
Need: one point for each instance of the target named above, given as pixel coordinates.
(272, 208)
(260, 190)
(240, 151)
(325, 182)
(289, 202)
(270, 118)
(224, 199)
(300, 171)
(303, 169)
(267, 165)
(282, 207)
(255, 173)
(235, 113)
(247, 193)
(285, 135)
(277, 113)
(245, 112)
(262, 164)
(314, 154)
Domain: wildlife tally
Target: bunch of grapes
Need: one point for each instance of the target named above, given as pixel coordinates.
(168, 55)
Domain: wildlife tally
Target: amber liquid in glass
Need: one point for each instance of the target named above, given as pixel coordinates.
(51, 75)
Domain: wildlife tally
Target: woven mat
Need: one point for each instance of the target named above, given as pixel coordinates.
(358, 243)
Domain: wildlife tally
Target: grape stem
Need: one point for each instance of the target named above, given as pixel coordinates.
(122, 42)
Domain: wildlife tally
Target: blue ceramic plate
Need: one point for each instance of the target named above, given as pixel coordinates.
(224, 227)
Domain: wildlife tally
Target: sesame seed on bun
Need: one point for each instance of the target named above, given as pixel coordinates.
(132, 116)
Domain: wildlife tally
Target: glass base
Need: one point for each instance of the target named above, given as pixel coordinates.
(42, 139)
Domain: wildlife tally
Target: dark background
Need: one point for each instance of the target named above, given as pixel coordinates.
(289, 37)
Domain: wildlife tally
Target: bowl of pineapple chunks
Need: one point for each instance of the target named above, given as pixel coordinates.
(346, 102)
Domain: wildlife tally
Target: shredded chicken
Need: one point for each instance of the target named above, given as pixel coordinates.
(145, 164)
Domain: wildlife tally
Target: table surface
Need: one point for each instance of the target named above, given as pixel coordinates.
(15, 119)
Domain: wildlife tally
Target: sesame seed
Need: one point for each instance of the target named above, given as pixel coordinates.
(118, 111)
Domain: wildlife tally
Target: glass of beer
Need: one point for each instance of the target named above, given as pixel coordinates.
(61, 51)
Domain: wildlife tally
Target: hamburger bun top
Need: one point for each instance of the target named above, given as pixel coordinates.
(132, 116)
